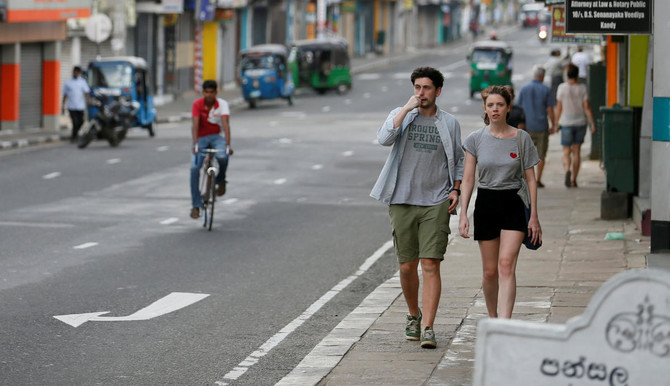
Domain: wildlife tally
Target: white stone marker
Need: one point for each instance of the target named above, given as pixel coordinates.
(623, 338)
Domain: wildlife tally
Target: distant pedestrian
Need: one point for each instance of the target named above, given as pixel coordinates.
(538, 104)
(499, 216)
(420, 182)
(516, 116)
(75, 91)
(573, 112)
(210, 116)
(555, 67)
(582, 60)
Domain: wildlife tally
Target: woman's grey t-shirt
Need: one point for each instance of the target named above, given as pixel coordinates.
(498, 158)
(423, 175)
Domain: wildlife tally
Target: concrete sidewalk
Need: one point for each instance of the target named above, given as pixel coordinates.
(555, 283)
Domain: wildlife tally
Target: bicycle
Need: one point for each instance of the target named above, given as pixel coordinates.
(208, 185)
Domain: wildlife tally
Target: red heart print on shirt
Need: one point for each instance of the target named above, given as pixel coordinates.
(513, 155)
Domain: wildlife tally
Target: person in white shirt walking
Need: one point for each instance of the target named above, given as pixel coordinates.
(582, 60)
(75, 92)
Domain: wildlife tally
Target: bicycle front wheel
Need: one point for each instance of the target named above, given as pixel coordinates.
(211, 198)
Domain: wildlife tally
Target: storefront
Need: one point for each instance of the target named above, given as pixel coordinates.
(30, 72)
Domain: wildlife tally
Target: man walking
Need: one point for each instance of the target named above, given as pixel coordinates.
(538, 103)
(420, 182)
(75, 90)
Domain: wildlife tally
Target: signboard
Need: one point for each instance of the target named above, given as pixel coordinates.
(98, 28)
(46, 10)
(608, 17)
(172, 6)
(559, 35)
(621, 339)
(206, 12)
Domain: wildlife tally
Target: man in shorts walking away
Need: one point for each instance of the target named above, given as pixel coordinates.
(209, 116)
(420, 182)
(538, 103)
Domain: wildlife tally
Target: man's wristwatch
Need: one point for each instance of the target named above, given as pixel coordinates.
(457, 191)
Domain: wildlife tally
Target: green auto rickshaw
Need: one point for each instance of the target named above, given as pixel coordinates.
(322, 65)
(490, 64)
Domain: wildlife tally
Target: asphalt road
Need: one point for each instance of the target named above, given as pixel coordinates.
(107, 230)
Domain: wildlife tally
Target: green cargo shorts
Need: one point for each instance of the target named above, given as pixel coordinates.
(420, 231)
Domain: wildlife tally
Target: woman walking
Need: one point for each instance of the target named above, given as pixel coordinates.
(572, 112)
(499, 218)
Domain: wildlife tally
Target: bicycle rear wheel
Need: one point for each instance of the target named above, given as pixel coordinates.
(211, 198)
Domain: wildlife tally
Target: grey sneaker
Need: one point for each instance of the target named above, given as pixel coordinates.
(428, 338)
(413, 327)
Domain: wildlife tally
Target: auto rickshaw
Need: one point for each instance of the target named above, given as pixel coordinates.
(323, 65)
(124, 77)
(264, 73)
(490, 64)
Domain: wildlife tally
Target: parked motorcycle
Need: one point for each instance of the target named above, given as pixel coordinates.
(115, 115)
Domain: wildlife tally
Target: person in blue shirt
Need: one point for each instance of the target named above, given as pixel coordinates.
(537, 102)
(75, 90)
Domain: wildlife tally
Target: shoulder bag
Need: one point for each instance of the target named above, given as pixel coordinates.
(524, 193)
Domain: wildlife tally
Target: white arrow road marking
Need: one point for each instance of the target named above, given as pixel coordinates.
(51, 175)
(271, 343)
(169, 303)
(85, 245)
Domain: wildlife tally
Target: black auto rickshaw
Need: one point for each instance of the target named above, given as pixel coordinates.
(490, 64)
(322, 65)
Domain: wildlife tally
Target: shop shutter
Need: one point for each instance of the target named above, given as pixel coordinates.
(30, 115)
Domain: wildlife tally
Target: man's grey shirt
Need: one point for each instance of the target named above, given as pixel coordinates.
(450, 136)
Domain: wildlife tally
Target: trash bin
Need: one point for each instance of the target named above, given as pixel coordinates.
(618, 148)
(596, 89)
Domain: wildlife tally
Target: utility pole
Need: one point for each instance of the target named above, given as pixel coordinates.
(320, 19)
(660, 145)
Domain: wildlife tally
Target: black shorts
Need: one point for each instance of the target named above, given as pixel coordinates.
(496, 210)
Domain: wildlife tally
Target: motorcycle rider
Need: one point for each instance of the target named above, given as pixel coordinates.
(209, 115)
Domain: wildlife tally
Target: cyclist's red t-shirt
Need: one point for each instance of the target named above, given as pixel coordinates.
(210, 120)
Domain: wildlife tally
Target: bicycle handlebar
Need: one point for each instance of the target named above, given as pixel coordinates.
(210, 150)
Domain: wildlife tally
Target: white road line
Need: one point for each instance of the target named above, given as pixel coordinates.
(369, 76)
(317, 167)
(113, 161)
(51, 175)
(85, 245)
(325, 109)
(163, 148)
(35, 224)
(229, 201)
(271, 343)
(348, 153)
(169, 221)
(280, 181)
(452, 66)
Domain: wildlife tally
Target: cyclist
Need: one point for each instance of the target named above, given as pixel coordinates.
(209, 115)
